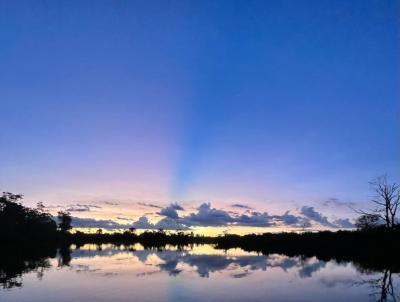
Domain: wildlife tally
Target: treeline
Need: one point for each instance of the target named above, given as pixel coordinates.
(20, 223)
(155, 239)
(378, 248)
(374, 249)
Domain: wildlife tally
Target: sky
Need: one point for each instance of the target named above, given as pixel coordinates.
(123, 108)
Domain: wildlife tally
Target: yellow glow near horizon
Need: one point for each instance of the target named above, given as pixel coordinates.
(204, 231)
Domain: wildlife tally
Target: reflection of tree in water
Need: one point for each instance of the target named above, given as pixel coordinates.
(17, 261)
(11, 274)
(383, 287)
(64, 256)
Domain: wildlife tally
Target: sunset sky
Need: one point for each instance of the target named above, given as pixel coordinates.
(206, 115)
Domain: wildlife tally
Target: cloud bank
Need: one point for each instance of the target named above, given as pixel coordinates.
(206, 216)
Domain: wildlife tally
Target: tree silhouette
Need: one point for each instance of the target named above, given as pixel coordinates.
(65, 220)
(18, 222)
(386, 200)
(367, 221)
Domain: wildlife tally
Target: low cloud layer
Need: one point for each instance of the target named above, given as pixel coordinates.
(335, 202)
(241, 206)
(149, 205)
(81, 208)
(173, 217)
(78, 222)
(206, 215)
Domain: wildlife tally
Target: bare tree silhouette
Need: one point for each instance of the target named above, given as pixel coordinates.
(386, 200)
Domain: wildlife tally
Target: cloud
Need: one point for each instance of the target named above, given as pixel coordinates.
(288, 219)
(241, 206)
(337, 203)
(54, 206)
(143, 223)
(207, 216)
(166, 223)
(170, 224)
(177, 207)
(343, 223)
(149, 205)
(81, 208)
(93, 223)
(124, 218)
(110, 203)
(313, 215)
(256, 219)
(171, 211)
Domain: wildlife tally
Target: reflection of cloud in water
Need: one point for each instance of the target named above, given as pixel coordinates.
(80, 268)
(142, 255)
(282, 262)
(309, 268)
(170, 267)
(205, 264)
(104, 252)
(241, 275)
(335, 281)
(254, 262)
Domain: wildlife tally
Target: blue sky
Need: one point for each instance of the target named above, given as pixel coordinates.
(271, 103)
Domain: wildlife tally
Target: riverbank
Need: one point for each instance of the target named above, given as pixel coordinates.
(375, 247)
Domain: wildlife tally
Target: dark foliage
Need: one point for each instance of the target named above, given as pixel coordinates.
(148, 239)
(367, 221)
(18, 223)
(64, 221)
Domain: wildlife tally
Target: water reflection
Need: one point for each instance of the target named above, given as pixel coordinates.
(382, 287)
(204, 262)
(280, 274)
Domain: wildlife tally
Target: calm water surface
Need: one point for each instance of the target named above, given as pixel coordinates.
(199, 273)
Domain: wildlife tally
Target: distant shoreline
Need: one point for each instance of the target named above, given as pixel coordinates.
(375, 248)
